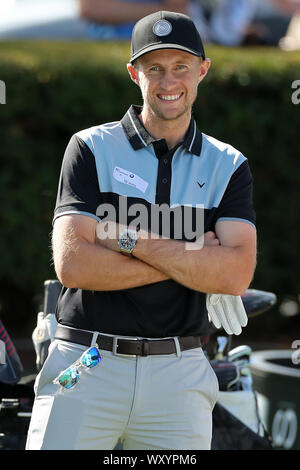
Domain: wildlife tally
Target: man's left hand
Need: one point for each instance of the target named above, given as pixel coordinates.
(226, 311)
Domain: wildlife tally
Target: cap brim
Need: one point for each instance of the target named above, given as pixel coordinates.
(156, 47)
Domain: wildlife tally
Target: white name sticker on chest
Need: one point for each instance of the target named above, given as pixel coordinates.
(127, 177)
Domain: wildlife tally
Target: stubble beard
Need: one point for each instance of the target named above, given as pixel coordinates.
(159, 114)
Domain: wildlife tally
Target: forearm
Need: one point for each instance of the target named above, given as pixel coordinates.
(213, 269)
(89, 266)
(117, 12)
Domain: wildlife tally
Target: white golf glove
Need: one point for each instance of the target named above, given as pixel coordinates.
(226, 311)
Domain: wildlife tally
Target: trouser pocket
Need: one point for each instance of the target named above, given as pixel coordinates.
(60, 356)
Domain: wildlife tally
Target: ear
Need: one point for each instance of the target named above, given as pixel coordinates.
(205, 65)
(133, 73)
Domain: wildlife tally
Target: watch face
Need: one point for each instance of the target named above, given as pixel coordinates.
(127, 240)
(126, 243)
(132, 234)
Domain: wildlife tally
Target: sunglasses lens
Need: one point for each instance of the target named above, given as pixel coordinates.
(91, 358)
(69, 377)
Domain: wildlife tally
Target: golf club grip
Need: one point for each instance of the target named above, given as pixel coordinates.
(52, 290)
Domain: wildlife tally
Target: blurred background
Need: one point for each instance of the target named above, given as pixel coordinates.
(63, 63)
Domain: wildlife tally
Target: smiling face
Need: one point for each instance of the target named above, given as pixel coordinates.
(168, 79)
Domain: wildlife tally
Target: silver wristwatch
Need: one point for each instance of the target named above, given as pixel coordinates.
(127, 241)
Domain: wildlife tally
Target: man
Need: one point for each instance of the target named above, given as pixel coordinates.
(139, 297)
(115, 20)
(224, 22)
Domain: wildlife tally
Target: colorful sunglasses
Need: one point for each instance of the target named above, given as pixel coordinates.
(70, 377)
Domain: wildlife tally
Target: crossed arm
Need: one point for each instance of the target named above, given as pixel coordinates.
(224, 265)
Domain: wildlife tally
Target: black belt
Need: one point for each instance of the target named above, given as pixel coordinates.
(129, 347)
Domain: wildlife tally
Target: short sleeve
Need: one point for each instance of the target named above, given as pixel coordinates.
(237, 201)
(78, 188)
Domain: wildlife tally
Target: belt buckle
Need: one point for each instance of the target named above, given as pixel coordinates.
(115, 346)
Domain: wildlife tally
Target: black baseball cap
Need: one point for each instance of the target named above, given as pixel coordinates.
(165, 30)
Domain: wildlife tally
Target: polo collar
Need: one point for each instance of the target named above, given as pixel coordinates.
(139, 137)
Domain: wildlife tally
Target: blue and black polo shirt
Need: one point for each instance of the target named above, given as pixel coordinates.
(108, 163)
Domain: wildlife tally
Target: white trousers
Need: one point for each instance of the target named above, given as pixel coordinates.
(153, 402)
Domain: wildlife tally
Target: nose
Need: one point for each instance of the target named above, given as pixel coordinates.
(168, 80)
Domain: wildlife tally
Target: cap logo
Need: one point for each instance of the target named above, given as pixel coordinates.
(162, 28)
